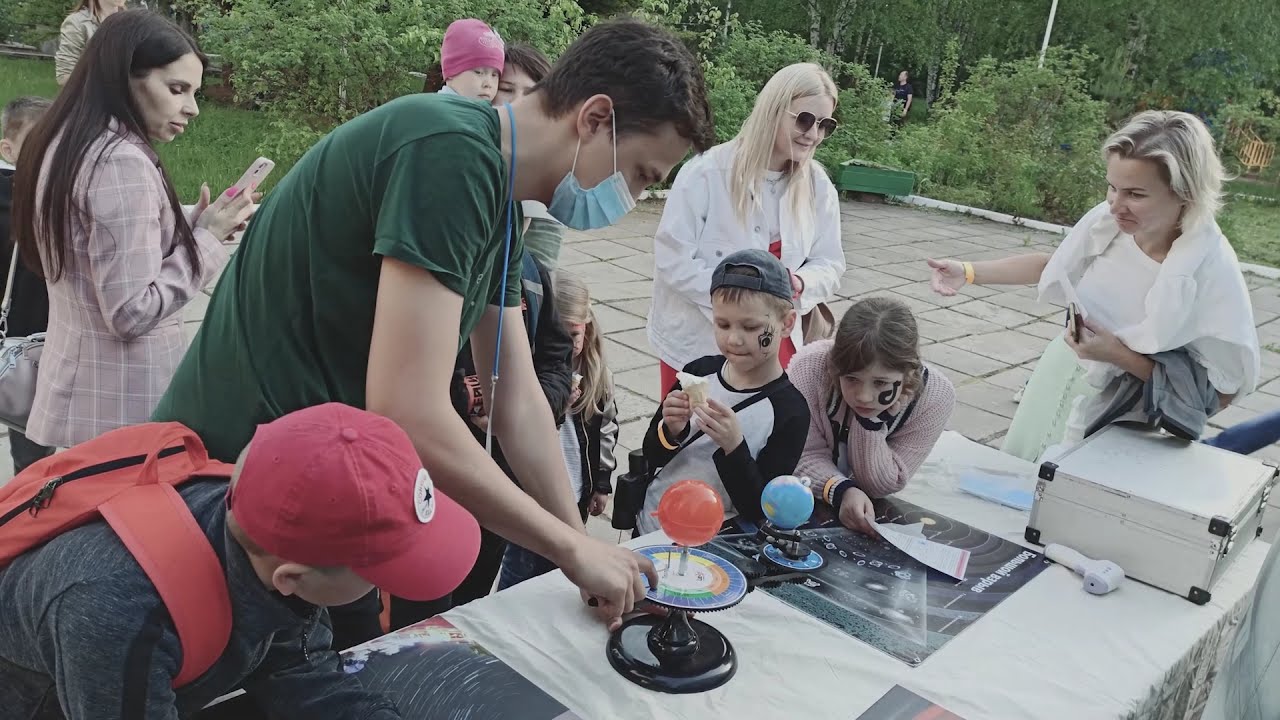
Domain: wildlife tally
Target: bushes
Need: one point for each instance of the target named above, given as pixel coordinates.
(1014, 138)
(32, 21)
(334, 59)
(314, 64)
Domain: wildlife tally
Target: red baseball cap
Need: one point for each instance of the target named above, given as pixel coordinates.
(334, 486)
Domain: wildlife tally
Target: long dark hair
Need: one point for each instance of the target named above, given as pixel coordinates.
(128, 44)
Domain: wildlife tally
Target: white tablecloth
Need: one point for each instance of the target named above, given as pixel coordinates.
(1049, 651)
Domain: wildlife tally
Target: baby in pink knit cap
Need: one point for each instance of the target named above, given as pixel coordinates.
(471, 60)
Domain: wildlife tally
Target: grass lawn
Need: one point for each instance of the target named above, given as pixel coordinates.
(217, 147)
(1254, 230)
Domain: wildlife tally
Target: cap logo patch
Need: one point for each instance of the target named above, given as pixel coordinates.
(424, 497)
(491, 39)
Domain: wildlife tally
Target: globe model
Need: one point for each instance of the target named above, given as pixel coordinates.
(787, 502)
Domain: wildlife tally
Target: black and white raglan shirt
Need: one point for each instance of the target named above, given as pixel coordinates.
(774, 429)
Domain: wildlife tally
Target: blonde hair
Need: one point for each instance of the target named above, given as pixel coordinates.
(573, 303)
(755, 141)
(1181, 146)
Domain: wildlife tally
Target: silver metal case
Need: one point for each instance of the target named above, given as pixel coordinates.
(1171, 513)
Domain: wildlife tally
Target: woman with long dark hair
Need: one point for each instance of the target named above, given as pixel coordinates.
(97, 216)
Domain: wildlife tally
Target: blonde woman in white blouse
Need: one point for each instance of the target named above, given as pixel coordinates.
(760, 190)
(1150, 271)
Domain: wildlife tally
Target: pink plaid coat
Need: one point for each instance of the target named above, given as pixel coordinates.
(115, 326)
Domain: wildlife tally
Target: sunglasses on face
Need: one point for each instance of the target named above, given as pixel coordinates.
(806, 120)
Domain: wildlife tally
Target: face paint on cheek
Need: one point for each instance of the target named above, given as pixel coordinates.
(766, 338)
(888, 396)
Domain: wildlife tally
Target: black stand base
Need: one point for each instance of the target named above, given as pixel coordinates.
(674, 655)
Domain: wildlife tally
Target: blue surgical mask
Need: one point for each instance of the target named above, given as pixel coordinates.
(601, 206)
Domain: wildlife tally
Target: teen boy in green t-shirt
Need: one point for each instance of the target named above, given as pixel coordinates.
(382, 250)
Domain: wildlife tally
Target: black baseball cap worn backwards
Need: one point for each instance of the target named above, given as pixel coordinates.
(774, 278)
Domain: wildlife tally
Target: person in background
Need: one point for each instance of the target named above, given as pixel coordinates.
(1150, 272)
(903, 95)
(764, 190)
(746, 424)
(29, 312)
(85, 634)
(875, 408)
(367, 297)
(471, 61)
(77, 28)
(589, 432)
(95, 213)
(525, 67)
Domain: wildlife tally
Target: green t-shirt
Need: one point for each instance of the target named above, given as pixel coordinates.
(420, 179)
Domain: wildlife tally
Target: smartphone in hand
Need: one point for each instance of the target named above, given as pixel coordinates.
(254, 175)
(1075, 325)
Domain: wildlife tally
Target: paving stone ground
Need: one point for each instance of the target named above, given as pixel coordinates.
(987, 339)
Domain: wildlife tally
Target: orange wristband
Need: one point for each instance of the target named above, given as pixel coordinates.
(662, 438)
(968, 273)
(826, 489)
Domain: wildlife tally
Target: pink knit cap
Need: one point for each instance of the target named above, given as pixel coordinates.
(470, 44)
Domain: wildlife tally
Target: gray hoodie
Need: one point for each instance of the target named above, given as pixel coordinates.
(84, 635)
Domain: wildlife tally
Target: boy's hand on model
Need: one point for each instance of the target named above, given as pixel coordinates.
(675, 413)
(720, 423)
(610, 576)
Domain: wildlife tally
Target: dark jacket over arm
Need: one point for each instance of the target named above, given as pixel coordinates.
(552, 350)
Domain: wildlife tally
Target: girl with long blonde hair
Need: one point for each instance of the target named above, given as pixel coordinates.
(589, 432)
(761, 190)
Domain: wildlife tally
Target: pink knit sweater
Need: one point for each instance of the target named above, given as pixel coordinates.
(880, 465)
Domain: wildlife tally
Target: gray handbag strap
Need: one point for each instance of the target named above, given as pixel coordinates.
(8, 294)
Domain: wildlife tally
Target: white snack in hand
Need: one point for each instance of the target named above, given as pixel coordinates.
(695, 387)
(577, 381)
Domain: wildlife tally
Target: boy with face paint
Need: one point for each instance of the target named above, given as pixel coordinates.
(383, 251)
(753, 424)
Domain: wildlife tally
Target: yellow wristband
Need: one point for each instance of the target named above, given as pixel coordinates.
(968, 273)
(662, 438)
(826, 489)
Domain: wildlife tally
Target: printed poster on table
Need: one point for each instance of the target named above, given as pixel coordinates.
(872, 591)
(433, 671)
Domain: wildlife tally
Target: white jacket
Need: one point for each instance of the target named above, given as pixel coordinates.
(700, 228)
(1199, 301)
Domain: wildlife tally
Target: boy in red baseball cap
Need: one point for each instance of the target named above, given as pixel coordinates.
(325, 504)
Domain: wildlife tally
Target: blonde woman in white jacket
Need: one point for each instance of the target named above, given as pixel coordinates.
(762, 190)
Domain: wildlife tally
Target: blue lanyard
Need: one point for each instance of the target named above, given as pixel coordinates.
(502, 293)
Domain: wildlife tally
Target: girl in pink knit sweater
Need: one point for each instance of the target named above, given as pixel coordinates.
(875, 409)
